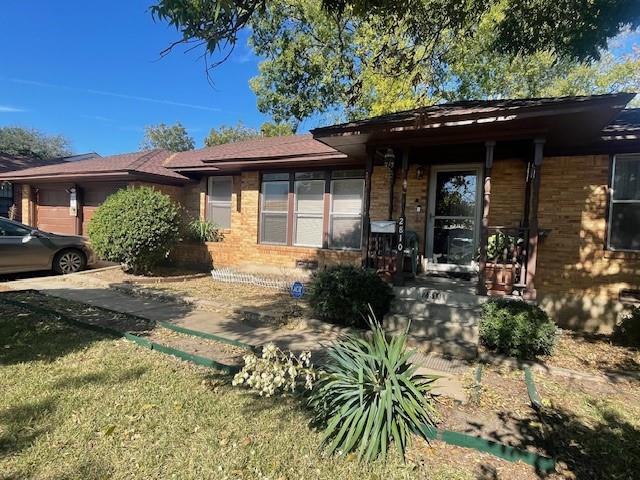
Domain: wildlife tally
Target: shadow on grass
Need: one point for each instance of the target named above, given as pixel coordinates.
(23, 424)
(104, 377)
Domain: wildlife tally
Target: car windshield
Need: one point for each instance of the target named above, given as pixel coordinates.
(10, 229)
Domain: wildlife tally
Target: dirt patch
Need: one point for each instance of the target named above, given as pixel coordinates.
(158, 275)
(594, 354)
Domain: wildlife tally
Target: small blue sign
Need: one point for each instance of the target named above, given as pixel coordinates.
(297, 289)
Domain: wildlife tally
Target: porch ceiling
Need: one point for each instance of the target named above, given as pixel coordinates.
(563, 122)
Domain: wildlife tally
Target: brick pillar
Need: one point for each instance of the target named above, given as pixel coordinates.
(532, 250)
(28, 207)
(484, 228)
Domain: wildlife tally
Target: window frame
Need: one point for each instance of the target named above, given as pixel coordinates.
(328, 179)
(211, 203)
(262, 212)
(296, 214)
(613, 201)
(350, 215)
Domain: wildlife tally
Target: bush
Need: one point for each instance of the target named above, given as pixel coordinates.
(517, 329)
(136, 227)
(204, 231)
(370, 396)
(341, 294)
(627, 331)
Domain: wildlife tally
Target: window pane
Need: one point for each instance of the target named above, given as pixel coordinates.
(6, 190)
(626, 182)
(346, 232)
(347, 174)
(456, 194)
(274, 228)
(347, 195)
(220, 215)
(310, 175)
(310, 196)
(625, 226)
(308, 231)
(275, 196)
(220, 189)
(270, 177)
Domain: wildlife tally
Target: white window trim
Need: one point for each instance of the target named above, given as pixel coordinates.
(264, 212)
(297, 214)
(355, 215)
(212, 203)
(612, 201)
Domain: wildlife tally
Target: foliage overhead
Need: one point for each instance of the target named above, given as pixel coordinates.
(344, 294)
(239, 132)
(32, 142)
(372, 396)
(517, 329)
(167, 137)
(136, 227)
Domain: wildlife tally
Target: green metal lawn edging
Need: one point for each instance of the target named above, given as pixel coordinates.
(141, 341)
(208, 336)
(534, 397)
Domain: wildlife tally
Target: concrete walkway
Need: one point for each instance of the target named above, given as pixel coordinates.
(83, 288)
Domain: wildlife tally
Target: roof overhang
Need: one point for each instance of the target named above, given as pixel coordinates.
(118, 175)
(562, 124)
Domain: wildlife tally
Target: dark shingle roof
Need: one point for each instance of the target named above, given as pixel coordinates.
(628, 121)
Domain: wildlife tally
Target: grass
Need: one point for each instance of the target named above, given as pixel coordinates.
(75, 404)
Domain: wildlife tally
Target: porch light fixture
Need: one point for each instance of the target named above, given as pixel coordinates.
(419, 172)
(389, 159)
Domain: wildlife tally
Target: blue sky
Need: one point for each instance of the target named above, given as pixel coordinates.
(91, 71)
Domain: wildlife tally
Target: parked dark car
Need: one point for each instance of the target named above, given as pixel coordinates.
(25, 249)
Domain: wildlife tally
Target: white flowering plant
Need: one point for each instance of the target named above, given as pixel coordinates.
(277, 372)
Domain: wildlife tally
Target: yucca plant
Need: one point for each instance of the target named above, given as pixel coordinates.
(370, 395)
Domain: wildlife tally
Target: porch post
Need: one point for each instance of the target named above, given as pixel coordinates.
(402, 221)
(484, 227)
(532, 251)
(366, 219)
(27, 205)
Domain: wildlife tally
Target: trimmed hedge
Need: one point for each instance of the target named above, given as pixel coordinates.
(136, 227)
(342, 295)
(517, 329)
(627, 331)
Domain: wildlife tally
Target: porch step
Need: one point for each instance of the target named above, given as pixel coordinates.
(438, 296)
(438, 322)
(458, 349)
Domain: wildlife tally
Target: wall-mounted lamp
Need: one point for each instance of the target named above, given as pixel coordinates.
(389, 159)
(419, 172)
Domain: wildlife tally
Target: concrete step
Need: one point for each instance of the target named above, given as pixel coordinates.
(440, 296)
(465, 329)
(458, 349)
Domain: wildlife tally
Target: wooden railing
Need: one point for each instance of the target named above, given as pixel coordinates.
(506, 267)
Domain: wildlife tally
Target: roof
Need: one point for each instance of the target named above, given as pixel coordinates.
(9, 163)
(269, 149)
(148, 164)
(626, 123)
(436, 113)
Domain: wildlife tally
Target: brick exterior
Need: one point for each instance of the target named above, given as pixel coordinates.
(578, 280)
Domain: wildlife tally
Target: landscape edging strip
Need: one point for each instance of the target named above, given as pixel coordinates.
(532, 391)
(209, 336)
(506, 452)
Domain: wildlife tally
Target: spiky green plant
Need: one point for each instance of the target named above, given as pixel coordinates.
(370, 395)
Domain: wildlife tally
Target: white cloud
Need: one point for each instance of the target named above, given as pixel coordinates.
(10, 109)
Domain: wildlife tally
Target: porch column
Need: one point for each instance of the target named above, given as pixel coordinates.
(366, 219)
(484, 227)
(27, 205)
(402, 221)
(532, 250)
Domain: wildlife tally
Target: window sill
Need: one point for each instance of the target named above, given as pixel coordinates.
(299, 247)
(622, 254)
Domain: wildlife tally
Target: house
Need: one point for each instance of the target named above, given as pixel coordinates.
(62, 197)
(538, 198)
(9, 195)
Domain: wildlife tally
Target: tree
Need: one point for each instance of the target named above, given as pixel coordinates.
(32, 142)
(230, 134)
(167, 137)
(573, 28)
(270, 129)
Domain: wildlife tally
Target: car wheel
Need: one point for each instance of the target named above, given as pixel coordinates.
(69, 261)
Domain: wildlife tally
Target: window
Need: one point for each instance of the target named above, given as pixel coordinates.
(292, 208)
(6, 198)
(274, 209)
(346, 212)
(219, 191)
(624, 213)
(309, 209)
(8, 229)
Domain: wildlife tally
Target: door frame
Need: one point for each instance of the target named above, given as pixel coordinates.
(430, 213)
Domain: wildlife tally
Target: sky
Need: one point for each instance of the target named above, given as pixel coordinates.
(91, 70)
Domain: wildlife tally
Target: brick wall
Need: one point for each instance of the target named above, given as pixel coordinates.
(578, 280)
(507, 192)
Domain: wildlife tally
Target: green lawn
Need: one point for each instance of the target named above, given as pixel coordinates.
(75, 404)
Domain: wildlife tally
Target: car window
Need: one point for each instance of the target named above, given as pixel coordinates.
(8, 229)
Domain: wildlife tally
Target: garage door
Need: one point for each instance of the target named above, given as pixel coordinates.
(52, 210)
(92, 197)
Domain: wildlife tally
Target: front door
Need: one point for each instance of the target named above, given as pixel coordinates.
(452, 226)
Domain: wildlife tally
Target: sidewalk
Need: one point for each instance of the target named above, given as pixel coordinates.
(93, 292)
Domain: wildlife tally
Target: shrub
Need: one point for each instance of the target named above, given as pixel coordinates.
(517, 329)
(341, 294)
(136, 227)
(276, 372)
(371, 396)
(627, 331)
(204, 231)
